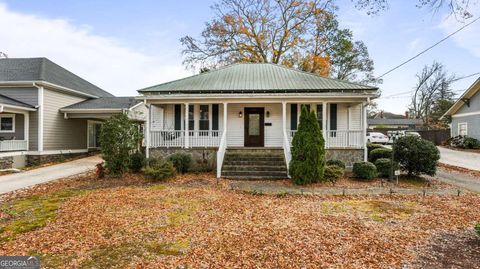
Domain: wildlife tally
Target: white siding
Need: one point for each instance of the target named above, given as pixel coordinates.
(273, 133)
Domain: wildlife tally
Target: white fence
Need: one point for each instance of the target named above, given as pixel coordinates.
(13, 145)
(172, 138)
(338, 139)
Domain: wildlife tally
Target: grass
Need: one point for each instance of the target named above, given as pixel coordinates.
(31, 213)
(376, 210)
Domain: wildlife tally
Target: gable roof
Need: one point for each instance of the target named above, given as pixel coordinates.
(42, 69)
(5, 100)
(255, 77)
(469, 93)
(104, 103)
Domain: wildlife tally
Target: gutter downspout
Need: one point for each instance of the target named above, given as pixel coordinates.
(40, 111)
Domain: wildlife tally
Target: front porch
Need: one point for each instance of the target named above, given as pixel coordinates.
(220, 126)
(13, 131)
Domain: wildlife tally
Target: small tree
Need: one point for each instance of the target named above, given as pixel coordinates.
(308, 150)
(119, 138)
(416, 155)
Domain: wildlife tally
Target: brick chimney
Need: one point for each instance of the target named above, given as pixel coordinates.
(407, 116)
(381, 114)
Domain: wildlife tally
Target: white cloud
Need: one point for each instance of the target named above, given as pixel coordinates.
(98, 59)
(468, 37)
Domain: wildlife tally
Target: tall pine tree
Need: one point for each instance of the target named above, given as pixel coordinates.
(308, 150)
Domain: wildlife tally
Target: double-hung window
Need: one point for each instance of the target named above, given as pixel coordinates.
(204, 121)
(463, 129)
(7, 123)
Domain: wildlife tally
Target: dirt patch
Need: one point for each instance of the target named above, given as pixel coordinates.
(450, 250)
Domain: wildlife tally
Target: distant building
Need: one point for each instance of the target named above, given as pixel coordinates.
(389, 120)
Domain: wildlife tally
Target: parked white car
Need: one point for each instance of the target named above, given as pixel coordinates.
(378, 138)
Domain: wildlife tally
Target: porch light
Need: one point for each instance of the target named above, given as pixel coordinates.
(240, 114)
(268, 114)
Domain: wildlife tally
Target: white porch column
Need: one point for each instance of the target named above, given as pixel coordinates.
(40, 119)
(26, 126)
(284, 118)
(324, 121)
(225, 118)
(364, 128)
(187, 133)
(147, 129)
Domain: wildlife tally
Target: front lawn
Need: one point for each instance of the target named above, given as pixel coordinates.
(194, 222)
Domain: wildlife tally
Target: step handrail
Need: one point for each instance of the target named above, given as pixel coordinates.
(221, 153)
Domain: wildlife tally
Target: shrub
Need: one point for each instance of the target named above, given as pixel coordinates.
(333, 172)
(161, 171)
(181, 161)
(308, 150)
(379, 153)
(477, 228)
(471, 143)
(119, 138)
(464, 142)
(137, 162)
(384, 166)
(364, 170)
(371, 147)
(338, 163)
(416, 155)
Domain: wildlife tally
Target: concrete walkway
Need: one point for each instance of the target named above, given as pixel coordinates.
(32, 177)
(458, 158)
(458, 179)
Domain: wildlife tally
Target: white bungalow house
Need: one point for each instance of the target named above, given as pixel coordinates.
(242, 118)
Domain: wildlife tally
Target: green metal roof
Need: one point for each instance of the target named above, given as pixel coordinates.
(255, 77)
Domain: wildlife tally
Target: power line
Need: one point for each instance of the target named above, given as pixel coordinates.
(429, 48)
(411, 91)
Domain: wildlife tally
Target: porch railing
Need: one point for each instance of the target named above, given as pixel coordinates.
(13, 145)
(338, 138)
(176, 139)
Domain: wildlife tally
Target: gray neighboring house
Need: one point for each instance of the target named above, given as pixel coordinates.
(384, 123)
(465, 113)
(47, 112)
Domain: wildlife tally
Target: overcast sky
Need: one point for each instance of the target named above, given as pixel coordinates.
(124, 46)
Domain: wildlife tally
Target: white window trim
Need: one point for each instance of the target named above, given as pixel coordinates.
(466, 127)
(13, 122)
(88, 134)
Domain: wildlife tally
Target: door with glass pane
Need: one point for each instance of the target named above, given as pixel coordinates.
(94, 130)
(254, 126)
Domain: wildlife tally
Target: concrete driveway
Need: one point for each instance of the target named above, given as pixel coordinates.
(32, 177)
(458, 158)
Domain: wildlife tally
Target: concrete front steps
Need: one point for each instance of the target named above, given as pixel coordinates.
(254, 163)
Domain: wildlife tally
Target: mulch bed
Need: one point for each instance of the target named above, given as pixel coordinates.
(460, 149)
(196, 222)
(448, 167)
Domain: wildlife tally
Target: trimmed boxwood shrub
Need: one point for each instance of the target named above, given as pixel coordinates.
(471, 143)
(364, 170)
(137, 162)
(181, 161)
(338, 163)
(371, 147)
(160, 171)
(384, 166)
(379, 153)
(477, 228)
(416, 155)
(333, 172)
(308, 150)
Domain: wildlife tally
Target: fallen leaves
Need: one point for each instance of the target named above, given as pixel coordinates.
(194, 222)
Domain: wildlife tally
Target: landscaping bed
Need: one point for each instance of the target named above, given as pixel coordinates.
(194, 221)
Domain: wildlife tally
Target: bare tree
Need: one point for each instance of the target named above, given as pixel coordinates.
(3, 55)
(433, 85)
(302, 34)
(458, 8)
